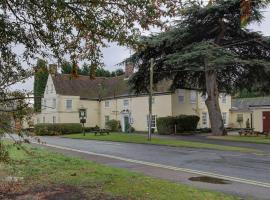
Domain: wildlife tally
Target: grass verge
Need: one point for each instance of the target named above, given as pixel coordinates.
(55, 176)
(252, 139)
(141, 139)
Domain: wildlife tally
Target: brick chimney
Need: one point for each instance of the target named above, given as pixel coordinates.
(53, 69)
(129, 69)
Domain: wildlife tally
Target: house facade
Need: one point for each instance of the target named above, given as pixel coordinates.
(105, 99)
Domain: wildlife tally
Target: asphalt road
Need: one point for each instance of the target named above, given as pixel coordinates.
(247, 166)
(248, 173)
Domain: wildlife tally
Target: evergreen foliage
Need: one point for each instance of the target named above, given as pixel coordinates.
(58, 129)
(208, 50)
(86, 70)
(40, 81)
(178, 124)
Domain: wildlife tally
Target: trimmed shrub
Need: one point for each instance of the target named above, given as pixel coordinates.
(182, 123)
(113, 125)
(186, 123)
(165, 125)
(58, 129)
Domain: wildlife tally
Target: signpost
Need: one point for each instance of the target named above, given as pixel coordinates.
(82, 116)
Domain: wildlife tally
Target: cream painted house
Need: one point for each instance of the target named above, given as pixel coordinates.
(254, 110)
(110, 98)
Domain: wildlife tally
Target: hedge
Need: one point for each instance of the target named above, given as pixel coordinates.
(182, 123)
(58, 129)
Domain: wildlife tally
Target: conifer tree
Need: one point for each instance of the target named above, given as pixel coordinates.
(208, 49)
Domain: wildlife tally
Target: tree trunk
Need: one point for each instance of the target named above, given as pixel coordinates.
(212, 103)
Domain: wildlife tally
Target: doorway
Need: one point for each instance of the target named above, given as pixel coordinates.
(126, 124)
(266, 121)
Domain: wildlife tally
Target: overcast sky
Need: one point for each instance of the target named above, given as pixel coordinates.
(115, 54)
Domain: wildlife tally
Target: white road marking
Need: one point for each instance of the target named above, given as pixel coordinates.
(197, 172)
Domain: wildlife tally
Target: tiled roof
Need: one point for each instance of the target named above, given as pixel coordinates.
(246, 103)
(98, 88)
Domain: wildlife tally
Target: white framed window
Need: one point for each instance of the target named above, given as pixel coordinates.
(44, 120)
(240, 118)
(54, 103)
(107, 118)
(54, 119)
(107, 104)
(38, 120)
(224, 98)
(51, 88)
(181, 96)
(204, 118)
(126, 102)
(224, 118)
(154, 121)
(68, 104)
(193, 96)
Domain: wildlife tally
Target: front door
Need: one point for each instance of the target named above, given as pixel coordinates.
(266, 121)
(126, 123)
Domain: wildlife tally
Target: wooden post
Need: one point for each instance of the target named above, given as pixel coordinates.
(150, 99)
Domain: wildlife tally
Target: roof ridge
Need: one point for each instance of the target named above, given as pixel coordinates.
(97, 77)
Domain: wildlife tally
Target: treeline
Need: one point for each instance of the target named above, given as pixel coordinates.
(67, 68)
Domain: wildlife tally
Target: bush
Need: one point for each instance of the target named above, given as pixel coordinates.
(165, 125)
(132, 129)
(57, 129)
(113, 125)
(182, 123)
(186, 123)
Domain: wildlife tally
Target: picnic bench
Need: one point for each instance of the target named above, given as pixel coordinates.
(251, 132)
(101, 132)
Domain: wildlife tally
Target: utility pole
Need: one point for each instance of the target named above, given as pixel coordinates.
(150, 99)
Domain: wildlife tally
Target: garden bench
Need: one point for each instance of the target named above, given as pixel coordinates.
(101, 132)
(250, 132)
(246, 132)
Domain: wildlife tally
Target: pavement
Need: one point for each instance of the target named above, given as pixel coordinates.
(248, 174)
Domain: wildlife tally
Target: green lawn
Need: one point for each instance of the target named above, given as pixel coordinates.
(253, 139)
(142, 139)
(49, 173)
